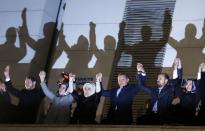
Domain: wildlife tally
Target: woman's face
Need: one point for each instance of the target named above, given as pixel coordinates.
(188, 85)
(88, 91)
(62, 89)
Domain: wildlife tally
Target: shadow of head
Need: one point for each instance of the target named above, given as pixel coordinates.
(48, 29)
(109, 43)
(190, 31)
(146, 33)
(82, 43)
(11, 35)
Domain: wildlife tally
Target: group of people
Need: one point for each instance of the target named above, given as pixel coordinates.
(175, 100)
(60, 110)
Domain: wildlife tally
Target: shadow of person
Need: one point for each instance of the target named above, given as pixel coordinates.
(41, 47)
(61, 45)
(79, 57)
(148, 51)
(9, 52)
(104, 57)
(79, 54)
(16, 53)
(190, 49)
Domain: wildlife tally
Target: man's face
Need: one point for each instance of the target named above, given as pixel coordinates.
(29, 84)
(188, 85)
(2, 87)
(122, 80)
(161, 80)
(62, 89)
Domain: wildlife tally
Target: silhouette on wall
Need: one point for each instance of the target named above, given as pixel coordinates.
(9, 46)
(9, 53)
(189, 49)
(79, 54)
(147, 51)
(104, 57)
(40, 47)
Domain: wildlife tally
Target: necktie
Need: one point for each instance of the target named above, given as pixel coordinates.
(155, 107)
(118, 91)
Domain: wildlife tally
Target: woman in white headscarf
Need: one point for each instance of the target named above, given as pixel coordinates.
(87, 103)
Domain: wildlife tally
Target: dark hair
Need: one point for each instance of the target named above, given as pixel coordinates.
(64, 83)
(1, 80)
(165, 75)
(123, 74)
(32, 78)
(194, 86)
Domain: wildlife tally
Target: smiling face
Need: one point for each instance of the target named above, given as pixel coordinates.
(30, 84)
(123, 80)
(88, 89)
(188, 85)
(161, 80)
(62, 89)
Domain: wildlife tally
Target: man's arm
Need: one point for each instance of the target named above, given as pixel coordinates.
(177, 73)
(141, 79)
(106, 93)
(30, 41)
(177, 78)
(8, 83)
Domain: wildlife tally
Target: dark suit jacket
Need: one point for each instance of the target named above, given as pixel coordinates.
(164, 98)
(120, 111)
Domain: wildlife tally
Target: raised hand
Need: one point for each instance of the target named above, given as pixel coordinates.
(23, 14)
(140, 67)
(200, 67)
(92, 24)
(71, 77)
(42, 76)
(177, 63)
(203, 67)
(7, 71)
(98, 77)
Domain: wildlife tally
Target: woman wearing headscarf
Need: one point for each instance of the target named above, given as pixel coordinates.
(59, 111)
(87, 102)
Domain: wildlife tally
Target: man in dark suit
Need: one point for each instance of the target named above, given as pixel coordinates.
(161, 97)
(29, 98)
(121, 98)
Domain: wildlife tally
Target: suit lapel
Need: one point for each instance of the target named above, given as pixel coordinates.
(163, 92)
